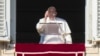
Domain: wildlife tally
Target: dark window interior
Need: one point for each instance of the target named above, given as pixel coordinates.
(30, 11)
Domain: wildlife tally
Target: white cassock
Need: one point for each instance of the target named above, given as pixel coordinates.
(57, 30)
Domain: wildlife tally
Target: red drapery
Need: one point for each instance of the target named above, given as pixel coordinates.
(26, 47)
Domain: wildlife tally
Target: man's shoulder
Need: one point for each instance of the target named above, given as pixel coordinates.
(60, 19)
(41, 18)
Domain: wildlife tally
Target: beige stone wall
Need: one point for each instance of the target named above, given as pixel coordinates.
(93, 51)
(5, 50)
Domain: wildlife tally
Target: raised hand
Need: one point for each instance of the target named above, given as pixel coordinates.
(46, 15)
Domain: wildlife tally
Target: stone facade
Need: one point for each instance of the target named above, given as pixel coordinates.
(91, 32)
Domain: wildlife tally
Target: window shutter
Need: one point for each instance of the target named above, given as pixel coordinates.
(3, 30)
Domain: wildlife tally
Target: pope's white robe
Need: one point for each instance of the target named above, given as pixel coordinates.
(54, 38)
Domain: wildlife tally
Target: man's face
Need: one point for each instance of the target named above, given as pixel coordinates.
(52, 12)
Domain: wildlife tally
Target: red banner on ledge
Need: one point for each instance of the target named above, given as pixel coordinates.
(32, 49)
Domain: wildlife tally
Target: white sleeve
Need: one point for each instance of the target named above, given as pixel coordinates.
(68, 37)
(66, 28)
(38, 25)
